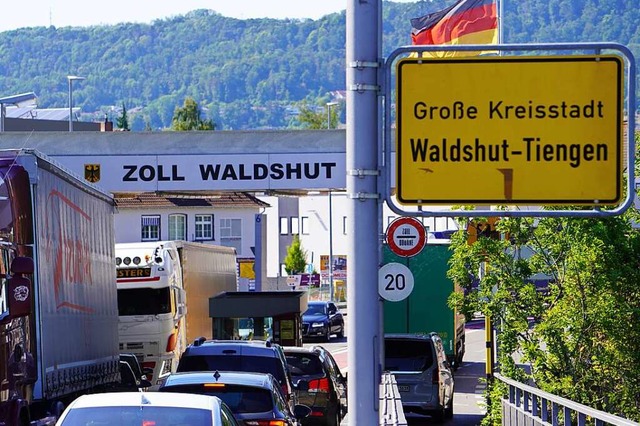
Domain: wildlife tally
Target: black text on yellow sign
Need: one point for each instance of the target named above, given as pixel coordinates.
(510, 130)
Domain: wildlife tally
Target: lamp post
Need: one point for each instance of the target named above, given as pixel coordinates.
(70, 79)
(329, 105)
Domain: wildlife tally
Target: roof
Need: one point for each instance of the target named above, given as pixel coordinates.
(131, 399)
(224, 200)
(260, 380)
(241, 304)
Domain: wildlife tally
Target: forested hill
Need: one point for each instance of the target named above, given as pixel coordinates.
(248, 74)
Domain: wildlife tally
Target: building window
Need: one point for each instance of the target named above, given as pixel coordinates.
(284, 226)
(177, 227)
(304, 224)
(150, 228)
(295, 226)
(204, 227)
(231, 233)
(344, 225)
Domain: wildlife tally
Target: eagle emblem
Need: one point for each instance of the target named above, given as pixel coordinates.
(92, 172)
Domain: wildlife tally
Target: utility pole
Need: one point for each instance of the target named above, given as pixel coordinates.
(363, 58)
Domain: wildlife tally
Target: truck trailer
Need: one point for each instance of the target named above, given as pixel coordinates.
(59, 318)
(163, 298)
(426, 309)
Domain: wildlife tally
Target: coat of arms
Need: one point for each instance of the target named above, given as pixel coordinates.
(92, 172)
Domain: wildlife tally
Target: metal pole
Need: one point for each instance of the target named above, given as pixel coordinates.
(330, 247)
(329, 105)
(3, 113)
(70, 105)
(363, 56)
(70, 79)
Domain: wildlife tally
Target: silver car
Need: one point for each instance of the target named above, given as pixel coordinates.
(422, 372)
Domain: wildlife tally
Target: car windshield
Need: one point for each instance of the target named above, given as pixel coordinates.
(240, 399)
(407, 355)
(138, 416)
(257, 364)
(315, 309)
(301, 364)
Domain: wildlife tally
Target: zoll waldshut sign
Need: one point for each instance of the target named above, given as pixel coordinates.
(511, 130)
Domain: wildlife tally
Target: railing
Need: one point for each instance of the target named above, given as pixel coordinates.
(391, 412)
(529, 406)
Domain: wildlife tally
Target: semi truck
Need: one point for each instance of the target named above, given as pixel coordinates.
(426, 310)
(59, 317)
(163, 298)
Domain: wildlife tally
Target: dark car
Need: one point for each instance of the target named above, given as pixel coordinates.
(256, 356)
(140, 375)
(322, 319)
(254, 398)
(327, 387)
(422, 372)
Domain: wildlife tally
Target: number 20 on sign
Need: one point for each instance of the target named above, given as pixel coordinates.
(395, 282)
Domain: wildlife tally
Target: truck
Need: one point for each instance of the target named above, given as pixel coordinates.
(59, 317)
(163, 298)
(425, 310)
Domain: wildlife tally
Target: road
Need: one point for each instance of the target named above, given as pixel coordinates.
(468, 399)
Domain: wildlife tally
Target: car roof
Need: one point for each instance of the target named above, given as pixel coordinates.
(303, 349)
(259, 380)
(158, 399)
(233, 347)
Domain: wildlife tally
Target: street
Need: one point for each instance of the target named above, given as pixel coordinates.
(468, 407)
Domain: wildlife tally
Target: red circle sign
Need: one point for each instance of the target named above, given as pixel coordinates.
(406, 236)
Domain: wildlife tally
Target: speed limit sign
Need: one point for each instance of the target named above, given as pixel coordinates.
(395, 282)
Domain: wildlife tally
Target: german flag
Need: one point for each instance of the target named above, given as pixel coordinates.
(465, 22)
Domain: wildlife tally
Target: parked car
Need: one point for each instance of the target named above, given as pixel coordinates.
(422, 372)
(327, 387)
(254, 398)
(256, 356)
(146, 408)
(322, 319)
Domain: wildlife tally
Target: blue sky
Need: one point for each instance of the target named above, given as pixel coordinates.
(62, 13)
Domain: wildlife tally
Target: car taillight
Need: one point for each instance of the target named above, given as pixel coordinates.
(319, 385)
(265, 423)
(435, 378)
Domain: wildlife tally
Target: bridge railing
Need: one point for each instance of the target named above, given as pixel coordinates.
(526, 405)
(391, 412)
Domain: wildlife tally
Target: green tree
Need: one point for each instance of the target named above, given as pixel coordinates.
(296, 259)
(579, 336)
(123, 121)
(315, 118)
(188, 118)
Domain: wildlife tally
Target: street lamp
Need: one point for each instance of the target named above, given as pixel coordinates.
(70, 78)
(329, 105)
(22, 100)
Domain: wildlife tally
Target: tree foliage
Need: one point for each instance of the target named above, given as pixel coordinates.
(188, 118)
(318, 117)
(249, 74)
(296, 259)
(123, 120)
(579, 336)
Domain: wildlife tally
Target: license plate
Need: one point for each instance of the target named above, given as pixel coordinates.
(403, 388)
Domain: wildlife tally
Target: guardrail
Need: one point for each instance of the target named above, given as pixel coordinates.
(529, 406)
(391, 412)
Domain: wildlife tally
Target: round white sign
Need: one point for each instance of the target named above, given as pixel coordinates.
(395, 282)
